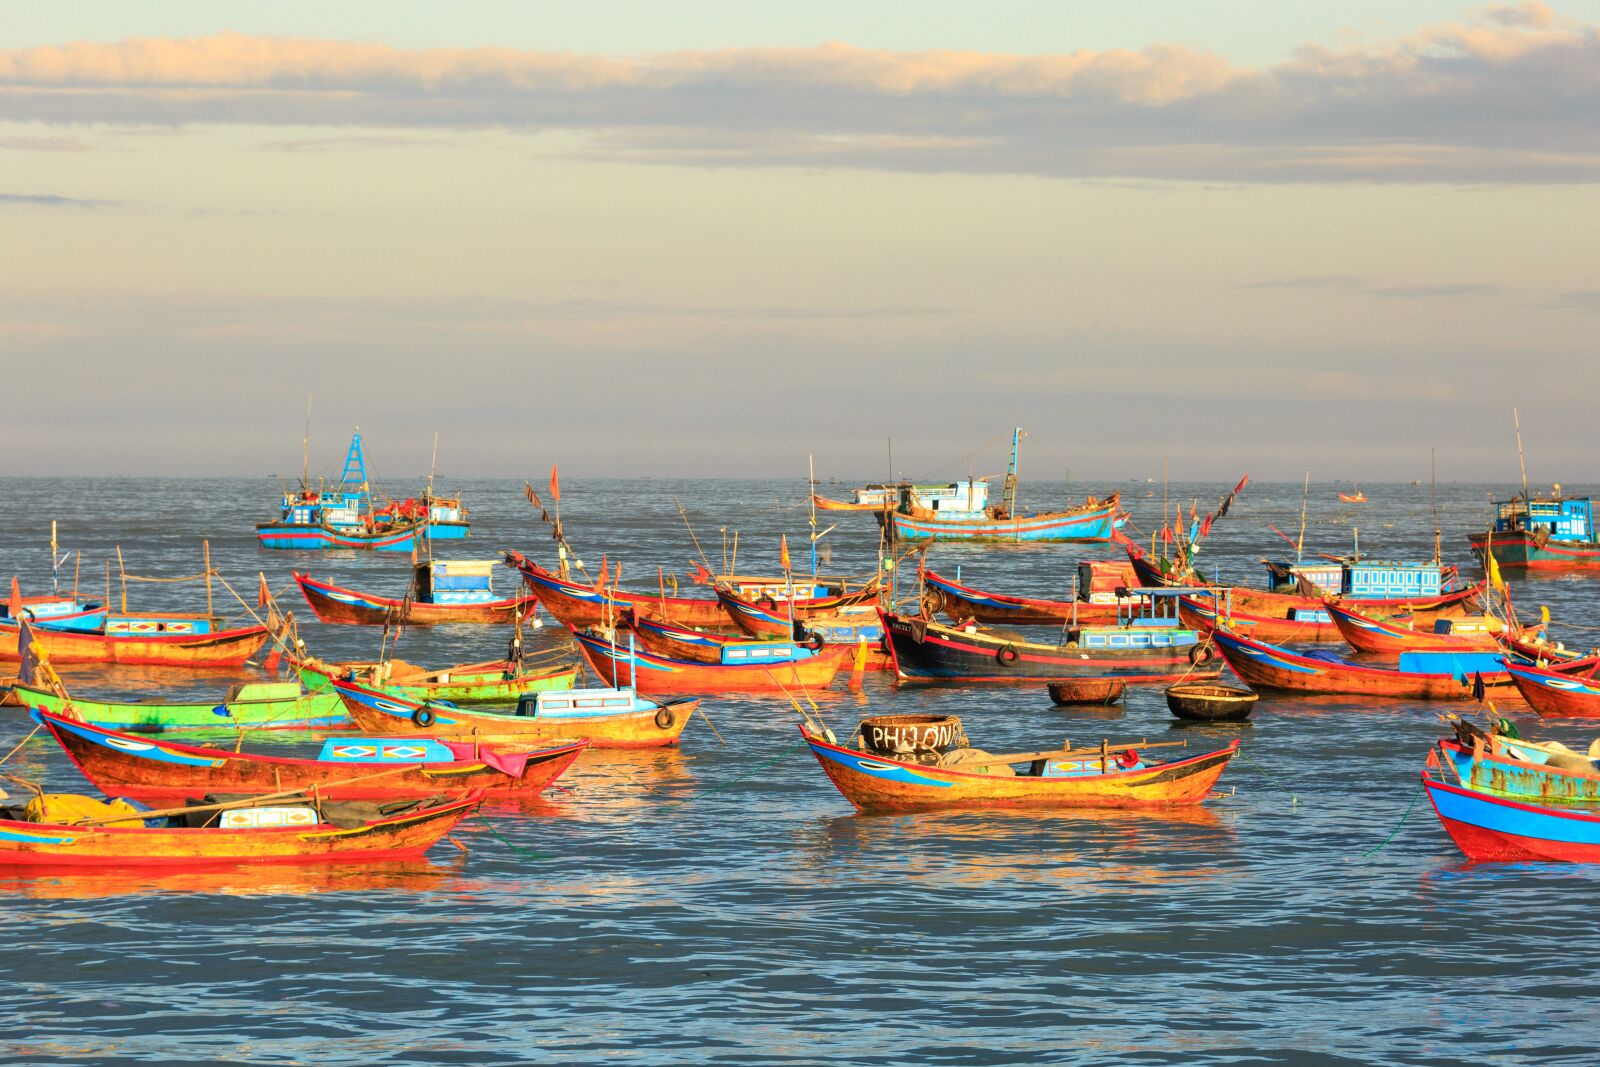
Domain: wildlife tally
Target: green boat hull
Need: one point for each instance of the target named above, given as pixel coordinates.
(482, 688)
(304, 712)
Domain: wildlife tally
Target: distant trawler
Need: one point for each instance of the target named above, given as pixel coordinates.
(344, 516)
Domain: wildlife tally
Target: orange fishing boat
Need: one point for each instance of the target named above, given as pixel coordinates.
(649, 673)
(125, 765)
(1107, 776)
(435, 597)
(1357, 497)
(1402, 633)
(151, 639)
(286, 830)
(609, 718)
(575, 604)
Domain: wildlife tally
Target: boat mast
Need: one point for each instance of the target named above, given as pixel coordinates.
(305, 449)
(1010, 494)
(1305, 498)
(433, 466)
(55, 567)
(1516, 421)
(1433, 465)
(811, 478)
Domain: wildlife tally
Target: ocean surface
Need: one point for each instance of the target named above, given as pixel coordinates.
(723, 904)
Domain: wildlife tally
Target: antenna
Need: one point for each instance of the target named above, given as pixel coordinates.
(1300, 548)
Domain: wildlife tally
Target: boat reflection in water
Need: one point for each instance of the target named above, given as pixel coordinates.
(85, 883)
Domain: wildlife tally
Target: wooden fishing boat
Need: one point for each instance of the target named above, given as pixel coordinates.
(123, 765)
(1210, 702)
(1357, 497)
(1420, 676)
(608, 718)
(927, 651)
(960, 511)
(304, 833)
(575, 604)
(150, 639)
(345, 516)
(1375, 588)
(440, 594)
(768, 668)
(52, 611)
(1565, 693)
(493, 682)
(1301, 625)
(1536, 648)
(1550, 533)
(822, 503)
(255, 705)
(1097, 602)
(1364, 633)
(1486, 827)
(851, 627)
(1110, 776)
(771, 616)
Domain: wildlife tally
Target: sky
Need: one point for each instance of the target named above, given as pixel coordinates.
(706, 239)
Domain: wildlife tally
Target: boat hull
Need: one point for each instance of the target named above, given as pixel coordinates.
(1555, 693)
(121, 765)
(1266, 666)
(1499, 829)
(1393, 636)
(649, 673)
(388, 715)
(312, 710)
(409, 834)
(467, 685)
(1085, 524)
(222, 648)
(337, 604)
(575, 605)
(1518, 550)
(933, 653)
(875, 783)
(317, 537)
(941, 594)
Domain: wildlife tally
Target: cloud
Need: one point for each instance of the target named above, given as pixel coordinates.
(1578, 300)
(1435, 292)
(1507, 96)
(49, 200)
(1344, 283)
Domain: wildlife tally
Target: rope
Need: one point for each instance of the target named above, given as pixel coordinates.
(518, 849)
(1402, 822)
(732, 781)
(180, 578)
(1267, 774)
(24, 741)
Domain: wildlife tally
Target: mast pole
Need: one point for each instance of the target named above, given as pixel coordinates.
(55, 568)
(1433, 465)
(305, 449)
(433, 466)
(1305, 499)
(1011, 473)
(1516, 420)
(811, 477)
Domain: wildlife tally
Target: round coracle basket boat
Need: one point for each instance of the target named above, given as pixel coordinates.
(1211, 702)
(1088, 691)
(906, 735)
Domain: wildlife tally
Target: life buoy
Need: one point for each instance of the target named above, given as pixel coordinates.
(665, 718)
(1007, 655)
(423, 718)
(814, 641)
(1201, 655)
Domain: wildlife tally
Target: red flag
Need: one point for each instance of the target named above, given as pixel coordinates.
(1281, 534)
(555, 485)
(783, 551)
(1166, 535)
(263, 594)
(15, 607)
(1240, 487)
(700, 576)
(1205, 527)
(600, 583)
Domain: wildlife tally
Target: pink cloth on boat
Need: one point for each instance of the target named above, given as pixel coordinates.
(512, 763)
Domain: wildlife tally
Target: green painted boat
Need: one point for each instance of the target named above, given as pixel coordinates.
(257, 705)
(468, 683)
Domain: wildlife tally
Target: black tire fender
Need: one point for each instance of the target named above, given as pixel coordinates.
(665, 719)
(423, 718)
(1007, 655)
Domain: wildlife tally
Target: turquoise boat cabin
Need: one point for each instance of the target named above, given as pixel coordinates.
(1371, 579)
(1565, 519)
(455, 581)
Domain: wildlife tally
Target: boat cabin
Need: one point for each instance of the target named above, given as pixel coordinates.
(455, 581)
(1561, 518)
(1102, 581)
(955, 500)
(577, 703)
(1375, 579)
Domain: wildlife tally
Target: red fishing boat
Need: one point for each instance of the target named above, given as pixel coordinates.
(771, 616)
(443, 591)
(125, 765)
(1571, 691)
(769, 668)
(1365, 633)
(664, 638)
(1420, 676)
(1098, 601)
(577, 605)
